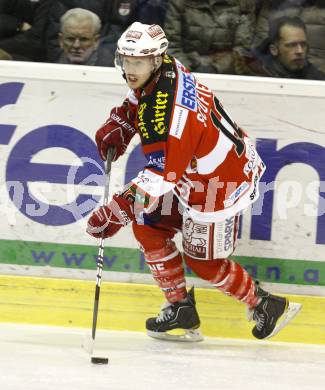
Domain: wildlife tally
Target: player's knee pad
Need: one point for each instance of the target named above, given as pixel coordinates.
(209, 241)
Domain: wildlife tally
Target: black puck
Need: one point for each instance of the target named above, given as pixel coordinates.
(99, 360)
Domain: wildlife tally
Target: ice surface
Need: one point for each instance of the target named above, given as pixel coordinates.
(46, 358)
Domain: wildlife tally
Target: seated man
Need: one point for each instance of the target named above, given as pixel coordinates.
(79, 39)
(287, 50)
(115, 16)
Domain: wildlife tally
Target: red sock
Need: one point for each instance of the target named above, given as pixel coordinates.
(167, 269)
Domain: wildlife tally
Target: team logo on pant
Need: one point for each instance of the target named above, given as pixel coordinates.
(195, 239)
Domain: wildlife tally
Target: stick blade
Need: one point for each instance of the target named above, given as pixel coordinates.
(88, 344)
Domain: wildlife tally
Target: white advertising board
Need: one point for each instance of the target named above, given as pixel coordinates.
(51, 176)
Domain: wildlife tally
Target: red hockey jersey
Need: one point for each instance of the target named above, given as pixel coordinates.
(193, 147)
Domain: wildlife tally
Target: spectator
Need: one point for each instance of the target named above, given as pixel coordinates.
(312, 12)
(287, 53)
(115, 16)
(22, 30)
(203, 34)
(79, 39)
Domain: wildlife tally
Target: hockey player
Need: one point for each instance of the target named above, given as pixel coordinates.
(202, 172)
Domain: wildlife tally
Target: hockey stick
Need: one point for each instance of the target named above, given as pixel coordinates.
(89, 342)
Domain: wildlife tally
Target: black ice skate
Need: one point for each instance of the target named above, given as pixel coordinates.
(272, 314)
(181, 317)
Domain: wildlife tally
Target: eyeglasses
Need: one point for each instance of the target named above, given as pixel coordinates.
(83, 41)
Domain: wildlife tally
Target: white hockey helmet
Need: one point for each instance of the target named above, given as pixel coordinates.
(142, 40)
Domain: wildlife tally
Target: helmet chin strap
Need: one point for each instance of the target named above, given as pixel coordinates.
(157, 62)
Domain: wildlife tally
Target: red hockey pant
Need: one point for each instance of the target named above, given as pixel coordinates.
(166, 263)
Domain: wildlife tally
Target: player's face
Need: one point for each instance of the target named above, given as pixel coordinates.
(137, 70)
(292, 48)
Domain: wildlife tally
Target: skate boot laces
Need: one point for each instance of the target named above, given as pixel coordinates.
(166, 313)
(259, 318)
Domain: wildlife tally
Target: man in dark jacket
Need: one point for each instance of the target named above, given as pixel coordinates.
(287, 53)
(115, 17)
(289, 49)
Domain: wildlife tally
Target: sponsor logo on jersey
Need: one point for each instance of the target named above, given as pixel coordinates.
(142, 179)
(236, 194)
(254, 192)
(159, 112)
(204, 96)
(186, 94)
(156, 160)
(229, 228)
(219, 236)
(252, 156)
(178, 122)
(170, 74)
(167, 59)
(141, 123)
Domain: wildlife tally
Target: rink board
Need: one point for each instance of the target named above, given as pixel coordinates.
(125, 306)
(51, 176)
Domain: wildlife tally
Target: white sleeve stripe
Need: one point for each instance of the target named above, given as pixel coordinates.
(216, 157)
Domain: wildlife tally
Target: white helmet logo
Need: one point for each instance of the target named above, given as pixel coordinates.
(133, 34)
(154, 31)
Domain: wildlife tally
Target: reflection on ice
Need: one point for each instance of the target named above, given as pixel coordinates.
(46, 358)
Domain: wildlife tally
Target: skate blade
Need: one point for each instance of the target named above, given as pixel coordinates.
(292, 310)
(184, 335)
